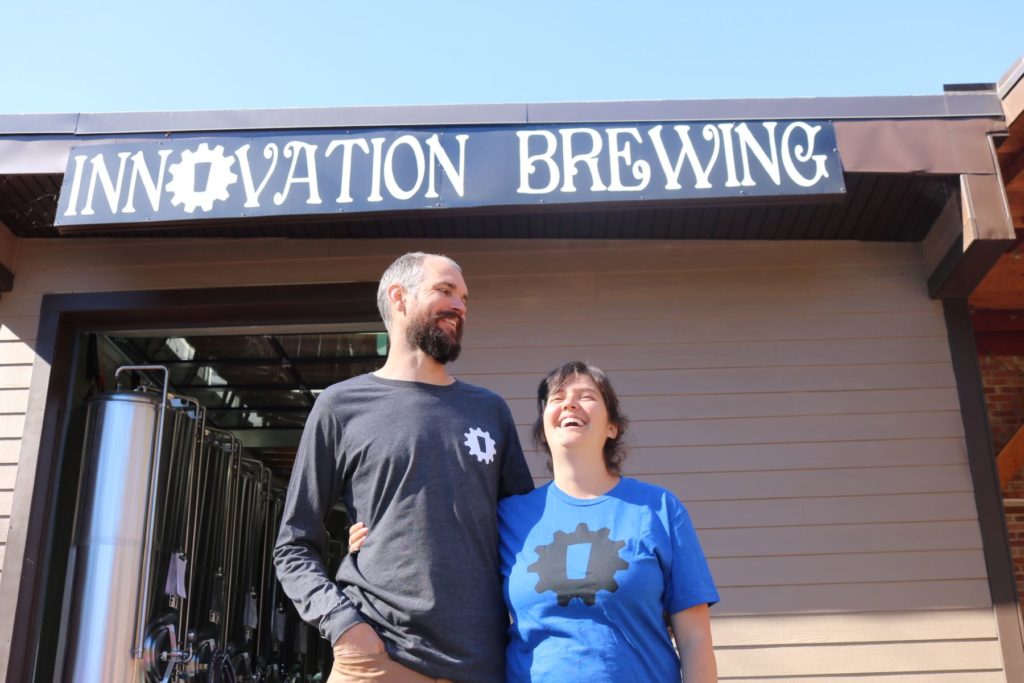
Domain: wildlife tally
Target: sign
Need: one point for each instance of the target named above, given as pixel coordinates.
(359, 171)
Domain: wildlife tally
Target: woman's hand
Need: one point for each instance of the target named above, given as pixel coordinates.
(692, 631)
(357, 536)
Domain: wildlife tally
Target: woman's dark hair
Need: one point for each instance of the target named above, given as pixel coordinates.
(614, 449)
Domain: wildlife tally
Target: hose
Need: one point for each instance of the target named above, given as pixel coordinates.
(221, 670)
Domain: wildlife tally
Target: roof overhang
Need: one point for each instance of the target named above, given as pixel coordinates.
(918, 169)
(39, 144)
(1001, 287)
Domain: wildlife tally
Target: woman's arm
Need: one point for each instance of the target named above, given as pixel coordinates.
(692, 631)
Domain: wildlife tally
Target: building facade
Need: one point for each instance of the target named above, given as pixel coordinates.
(796, 357)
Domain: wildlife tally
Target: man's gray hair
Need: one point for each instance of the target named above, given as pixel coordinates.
(407, 271)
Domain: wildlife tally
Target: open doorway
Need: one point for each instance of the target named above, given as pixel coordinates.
(238, 394)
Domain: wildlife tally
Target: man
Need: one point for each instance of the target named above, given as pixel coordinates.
(421, 458)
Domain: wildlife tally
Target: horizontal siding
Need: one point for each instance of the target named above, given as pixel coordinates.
(626, 329)
(11, 425)
(16, 358)
(867, 596)
(732, 632)
(977, 676)
(799, 397)
(19, 328)
(9, 450)
(815, 483)
(878, 508)
(7, 474)
(845, 660)
(746, 380)
(17, 353)
(719, 355)
(786, 456)
(15, 376)
(849, 568)
(840, 538)
(13, 400)
(781, 404)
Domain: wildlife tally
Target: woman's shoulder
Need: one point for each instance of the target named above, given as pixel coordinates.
(645, 489)
(658, 499)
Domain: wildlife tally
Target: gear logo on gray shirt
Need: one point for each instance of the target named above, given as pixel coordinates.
(480, 444)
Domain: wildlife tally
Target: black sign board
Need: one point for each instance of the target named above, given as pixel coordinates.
(329, 172)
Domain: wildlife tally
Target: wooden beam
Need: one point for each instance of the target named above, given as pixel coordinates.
(1012, 166)
(1011, 459)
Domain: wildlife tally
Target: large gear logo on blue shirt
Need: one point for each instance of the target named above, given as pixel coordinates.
(578, 565)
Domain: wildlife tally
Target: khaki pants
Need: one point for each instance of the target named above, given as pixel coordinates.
(352, 666)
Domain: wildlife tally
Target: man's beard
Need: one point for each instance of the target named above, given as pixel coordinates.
(425, 334)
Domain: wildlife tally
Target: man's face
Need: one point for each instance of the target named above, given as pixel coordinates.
(437, 311)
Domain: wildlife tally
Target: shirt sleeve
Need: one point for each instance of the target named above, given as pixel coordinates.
(689, 581)
(515, 473)
(314, 488)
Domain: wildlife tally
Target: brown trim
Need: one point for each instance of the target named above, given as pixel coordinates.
(123, 124)
(63, 317)
(1002, 320)
(987, 495)
(933, 146)
(1000, 343)
(6, 279)
(960, 271)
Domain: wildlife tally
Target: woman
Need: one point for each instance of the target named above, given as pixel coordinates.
(594, 561)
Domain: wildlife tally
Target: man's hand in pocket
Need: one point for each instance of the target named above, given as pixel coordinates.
(360, 638)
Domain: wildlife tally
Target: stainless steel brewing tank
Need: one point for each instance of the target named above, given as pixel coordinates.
(109, 535)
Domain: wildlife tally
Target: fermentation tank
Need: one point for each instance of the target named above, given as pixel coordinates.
(121, 442)
(173, 575)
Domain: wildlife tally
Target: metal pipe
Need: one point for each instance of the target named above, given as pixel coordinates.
(147, 542)
(231, 538)
(195, 514)
(192, 509)
(221, 464)
(261, 607)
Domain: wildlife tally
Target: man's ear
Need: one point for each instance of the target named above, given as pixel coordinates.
(396, 295)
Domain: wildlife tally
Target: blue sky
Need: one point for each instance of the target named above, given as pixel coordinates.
(62, 56)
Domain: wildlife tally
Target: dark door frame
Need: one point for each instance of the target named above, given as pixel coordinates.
(62, 318)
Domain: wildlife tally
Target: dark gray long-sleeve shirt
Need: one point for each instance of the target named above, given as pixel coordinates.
(423, 467)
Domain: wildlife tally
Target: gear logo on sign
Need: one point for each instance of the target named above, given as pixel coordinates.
(182, 185)
(480, 444)
(601, 561)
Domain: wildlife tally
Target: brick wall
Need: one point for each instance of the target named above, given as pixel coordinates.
(1003, 377)
(1015, 524)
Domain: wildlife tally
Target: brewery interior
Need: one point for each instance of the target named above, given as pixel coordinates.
(197, 509)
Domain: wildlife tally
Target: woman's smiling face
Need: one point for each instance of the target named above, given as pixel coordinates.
(576, 418)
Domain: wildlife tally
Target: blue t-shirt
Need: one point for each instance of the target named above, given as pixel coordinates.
(588, 582)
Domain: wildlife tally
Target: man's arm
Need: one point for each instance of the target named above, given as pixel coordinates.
(692, 631)
(314, 488)
(515, 473)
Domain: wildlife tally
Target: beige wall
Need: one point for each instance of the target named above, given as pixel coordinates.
(799, 397)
